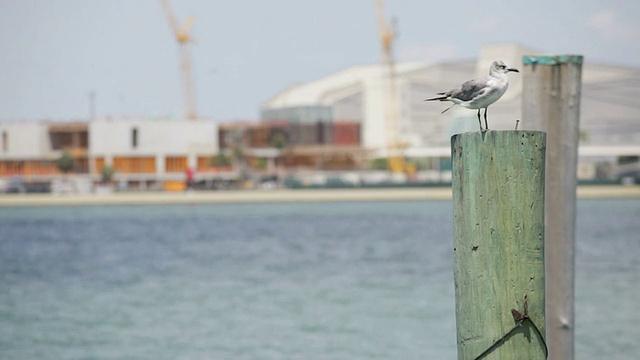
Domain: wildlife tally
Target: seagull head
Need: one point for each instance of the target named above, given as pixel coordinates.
(499, 67)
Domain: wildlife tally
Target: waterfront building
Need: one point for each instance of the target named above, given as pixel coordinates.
(152, 153)
(143, 153)
(610, 109)
(336, 123)
(609, 116)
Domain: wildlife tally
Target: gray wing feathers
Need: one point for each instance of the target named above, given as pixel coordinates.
(468, 90)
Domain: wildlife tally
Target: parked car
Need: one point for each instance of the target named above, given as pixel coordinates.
(15, 185)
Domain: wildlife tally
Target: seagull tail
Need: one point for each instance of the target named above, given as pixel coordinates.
(442, 97)
(445, 110)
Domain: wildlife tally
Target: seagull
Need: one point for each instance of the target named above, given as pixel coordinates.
(480, 93)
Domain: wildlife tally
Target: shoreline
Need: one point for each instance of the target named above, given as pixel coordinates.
(275, 196)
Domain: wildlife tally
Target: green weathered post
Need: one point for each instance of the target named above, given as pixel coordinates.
(551, 103)
(498, 204)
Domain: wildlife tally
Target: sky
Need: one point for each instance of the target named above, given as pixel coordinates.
(54, 54)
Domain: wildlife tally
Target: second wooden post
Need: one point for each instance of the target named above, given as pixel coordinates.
(498, 199)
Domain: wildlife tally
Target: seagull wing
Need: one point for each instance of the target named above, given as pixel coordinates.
(469, 90)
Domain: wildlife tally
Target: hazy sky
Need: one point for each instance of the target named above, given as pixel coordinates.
(54, 53)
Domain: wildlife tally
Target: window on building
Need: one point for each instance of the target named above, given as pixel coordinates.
(84, 139)
(134, 138)
(98, 165)
(5, 141)
(175, 164)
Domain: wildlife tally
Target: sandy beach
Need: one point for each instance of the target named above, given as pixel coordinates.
(284, 195)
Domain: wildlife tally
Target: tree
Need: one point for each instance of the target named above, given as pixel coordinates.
(107, 173)
(584, 136)
(220, 160)
(65, 162)
(239, 158)
(261, 163)
(379, 164)
(279, 141)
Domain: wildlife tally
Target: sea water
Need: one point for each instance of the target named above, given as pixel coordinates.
(361, 280)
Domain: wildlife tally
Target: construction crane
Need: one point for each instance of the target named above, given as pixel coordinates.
(388, 34)
(182, 34)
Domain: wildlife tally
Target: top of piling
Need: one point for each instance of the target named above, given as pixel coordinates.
(496, 133)
(552, 59)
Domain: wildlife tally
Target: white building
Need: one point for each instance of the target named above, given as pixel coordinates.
(150, 150)
(24, 140)
(30, 148)
(142, 152)
(610, 109)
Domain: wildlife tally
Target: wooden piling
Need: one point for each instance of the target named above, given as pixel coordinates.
(498, 199)
(551, 103)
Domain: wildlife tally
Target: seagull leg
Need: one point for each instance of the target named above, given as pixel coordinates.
(486, 126)
(479, 121)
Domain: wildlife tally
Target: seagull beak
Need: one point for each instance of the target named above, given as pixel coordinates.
(513, 69)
